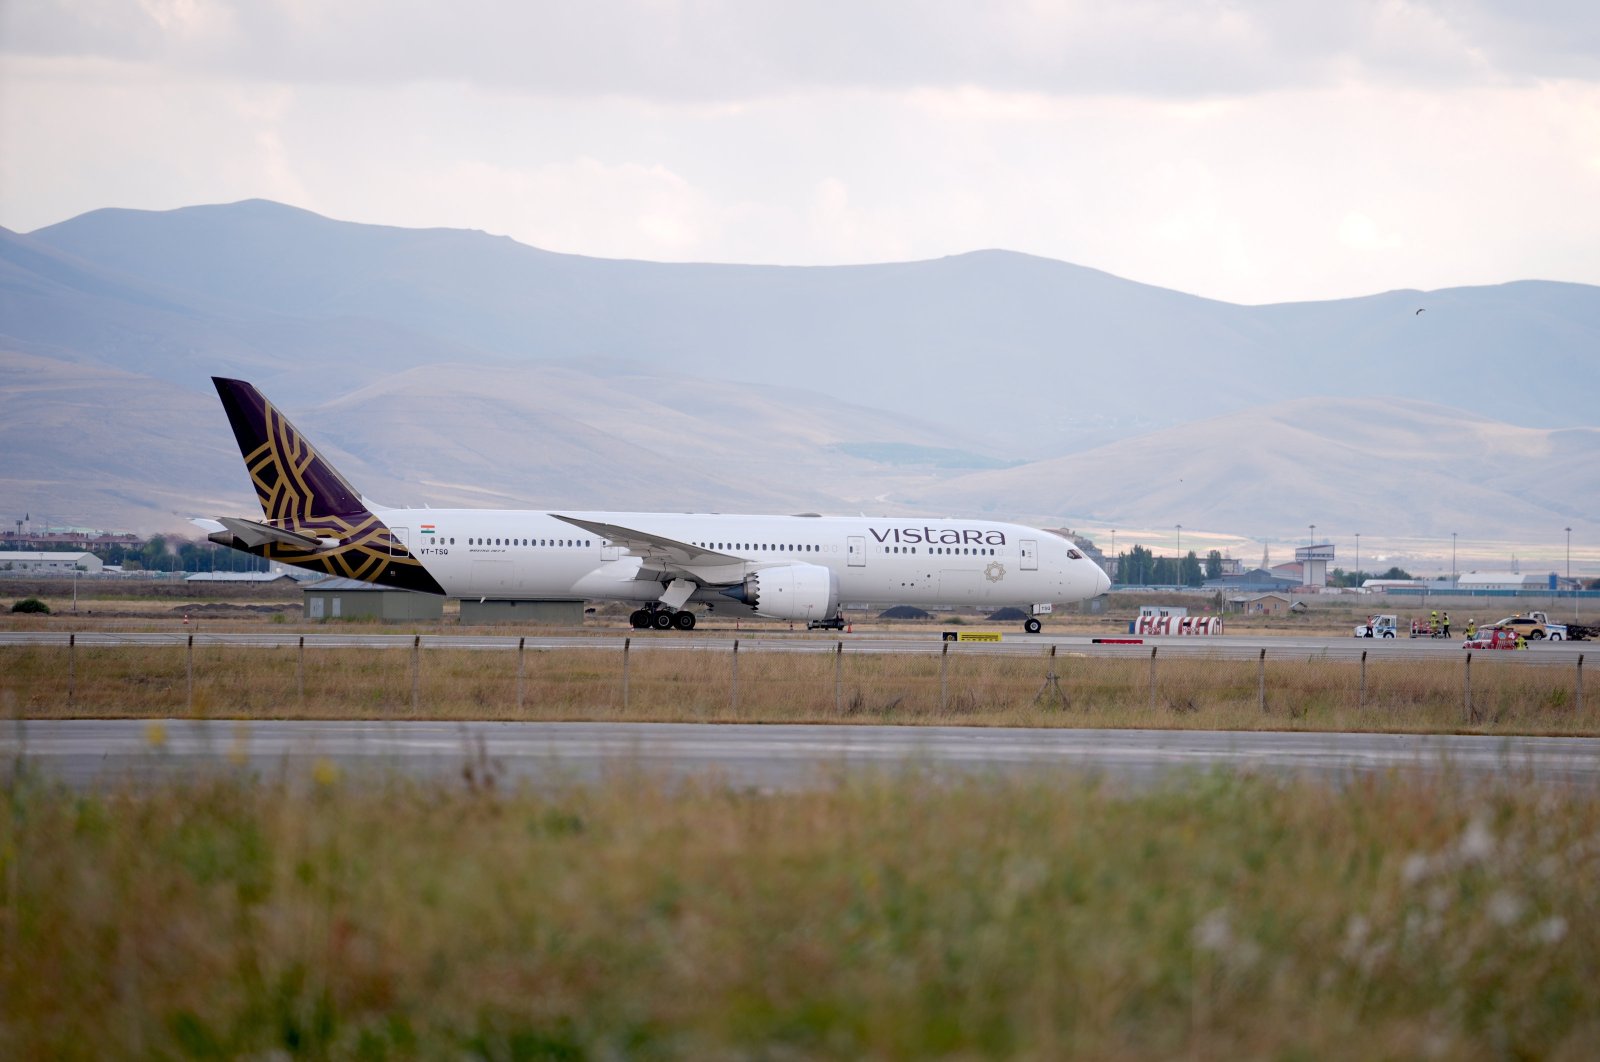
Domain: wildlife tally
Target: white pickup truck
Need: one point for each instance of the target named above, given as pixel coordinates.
(1378, 627)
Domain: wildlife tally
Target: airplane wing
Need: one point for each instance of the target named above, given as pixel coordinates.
(666, 553)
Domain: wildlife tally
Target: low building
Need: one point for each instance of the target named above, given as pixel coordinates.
(49, 561)
(1258, 579)
(1503, 581)
(245, 578)
(1265, 605)
(352, 599)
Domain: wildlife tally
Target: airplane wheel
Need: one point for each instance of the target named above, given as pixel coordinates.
(1032, 625)
(684, 621)
(661, 621)
(640, 619)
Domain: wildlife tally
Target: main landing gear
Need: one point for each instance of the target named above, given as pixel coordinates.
(1032, 625)
(653, 617)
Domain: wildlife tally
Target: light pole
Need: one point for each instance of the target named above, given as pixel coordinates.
(1358, 558)
(1569, 577)
(1452, 560)
(1115, 562)
(1180, 555)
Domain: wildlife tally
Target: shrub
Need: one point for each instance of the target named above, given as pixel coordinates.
(31, 604)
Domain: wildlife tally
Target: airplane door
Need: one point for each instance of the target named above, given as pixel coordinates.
(857, 547)
(1030, 555)
(401, 543)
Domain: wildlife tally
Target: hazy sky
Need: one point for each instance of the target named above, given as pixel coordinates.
(1248, 151)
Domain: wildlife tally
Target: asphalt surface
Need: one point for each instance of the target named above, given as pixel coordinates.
(89, 753)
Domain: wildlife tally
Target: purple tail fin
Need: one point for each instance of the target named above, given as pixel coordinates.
(294, 483)
(314, 518)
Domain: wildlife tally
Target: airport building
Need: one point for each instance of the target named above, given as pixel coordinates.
(1504, 581)
(352, 599)
(275, 578)
(49, 561)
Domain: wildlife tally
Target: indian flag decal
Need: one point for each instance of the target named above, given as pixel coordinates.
(427, 529)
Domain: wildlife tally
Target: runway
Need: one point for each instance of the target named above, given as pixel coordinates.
(88, 753)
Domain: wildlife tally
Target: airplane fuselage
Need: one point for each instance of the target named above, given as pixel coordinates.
(512, 554)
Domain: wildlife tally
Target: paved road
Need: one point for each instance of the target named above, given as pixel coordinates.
(1231, 646)
(87, 752)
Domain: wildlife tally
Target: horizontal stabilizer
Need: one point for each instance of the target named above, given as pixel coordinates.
(252, 534)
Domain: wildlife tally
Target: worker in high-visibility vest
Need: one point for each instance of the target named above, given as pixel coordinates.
(1472, 628)
(1447, 624)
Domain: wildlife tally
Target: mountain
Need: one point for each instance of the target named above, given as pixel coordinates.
(452, 367)
(99, 447)
(1404, 473)
(1034, 357)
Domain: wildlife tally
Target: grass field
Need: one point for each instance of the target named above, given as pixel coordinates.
(883, 916)
(1217, 917)
(1303, 691)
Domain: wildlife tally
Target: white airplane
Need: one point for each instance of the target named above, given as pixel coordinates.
(781, 567)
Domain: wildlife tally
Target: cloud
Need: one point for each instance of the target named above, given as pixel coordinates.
(1248, 151)
(736, 49)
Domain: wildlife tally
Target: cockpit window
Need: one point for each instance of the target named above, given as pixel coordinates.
(1074, 554)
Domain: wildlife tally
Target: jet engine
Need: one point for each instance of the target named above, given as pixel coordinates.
(790, 592)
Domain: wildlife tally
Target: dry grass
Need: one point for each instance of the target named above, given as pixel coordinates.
(1218, 917)
(663, 684)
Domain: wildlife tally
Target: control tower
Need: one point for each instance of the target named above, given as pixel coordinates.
(1314, 562)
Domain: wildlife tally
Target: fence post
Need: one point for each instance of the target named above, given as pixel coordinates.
(1052, 682)
(733, 696)
(1579, 698)
(1361, 693)
(627, 643)
(838, 678)
(944, 671)
(1261, 680)
(1467, 714)
(1153, 678)
(521, 645)
(300, 678)
(189, 668)
(72, 666)
(416, 670)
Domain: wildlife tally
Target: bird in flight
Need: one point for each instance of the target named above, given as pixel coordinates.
(1419, 311)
